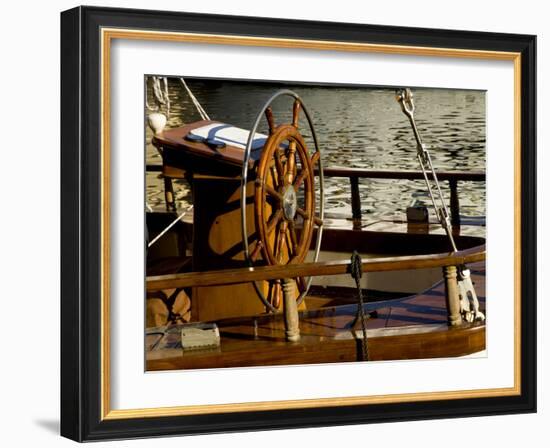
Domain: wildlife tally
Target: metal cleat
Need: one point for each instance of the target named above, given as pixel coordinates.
(468, 298)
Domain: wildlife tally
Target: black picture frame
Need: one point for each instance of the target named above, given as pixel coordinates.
(81, 214)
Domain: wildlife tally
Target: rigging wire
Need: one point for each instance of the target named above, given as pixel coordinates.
(198, 105)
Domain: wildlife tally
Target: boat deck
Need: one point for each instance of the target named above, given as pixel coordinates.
(411, 327)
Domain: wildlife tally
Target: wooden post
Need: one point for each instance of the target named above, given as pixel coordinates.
(355, 203)
(451, 295)
(292, 321)
(455, 205)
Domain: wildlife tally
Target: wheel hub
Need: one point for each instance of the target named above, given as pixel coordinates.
(290, 202)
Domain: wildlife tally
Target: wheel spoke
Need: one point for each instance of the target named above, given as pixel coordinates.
(292, 249)
(279, 166)
(288, 245)
(301, 283)
(300, 178)
(257, 249)
(276, 294)
(302, 213)
(270, 119)
(272, 192)
(293, 237)
(275, 177)
(290, 166)
(314, 158)
(295, 113)
(280, 242)
(272, 223)
(304, 173)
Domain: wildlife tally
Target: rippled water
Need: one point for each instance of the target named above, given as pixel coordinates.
(357, 127)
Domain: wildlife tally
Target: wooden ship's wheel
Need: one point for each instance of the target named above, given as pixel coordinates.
(285, 206)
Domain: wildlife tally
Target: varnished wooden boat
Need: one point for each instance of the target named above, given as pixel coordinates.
(412, 303)
(400, 325)
(411, 327)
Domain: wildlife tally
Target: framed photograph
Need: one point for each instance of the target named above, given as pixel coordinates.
(276, 224)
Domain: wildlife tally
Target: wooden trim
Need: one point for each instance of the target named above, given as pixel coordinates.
(476, 176)
(473, 176)
(243, 275)
(422, 342)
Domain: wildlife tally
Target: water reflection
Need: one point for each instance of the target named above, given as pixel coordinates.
(357, 127)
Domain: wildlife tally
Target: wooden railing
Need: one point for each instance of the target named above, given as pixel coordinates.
(354, 174)
(242, 275)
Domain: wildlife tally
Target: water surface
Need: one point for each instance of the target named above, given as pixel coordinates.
(358, 127)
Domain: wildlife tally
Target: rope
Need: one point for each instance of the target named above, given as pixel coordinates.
(160, 95)
(200, 109)
(166, 97)
(356, 271)
(169, 226)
